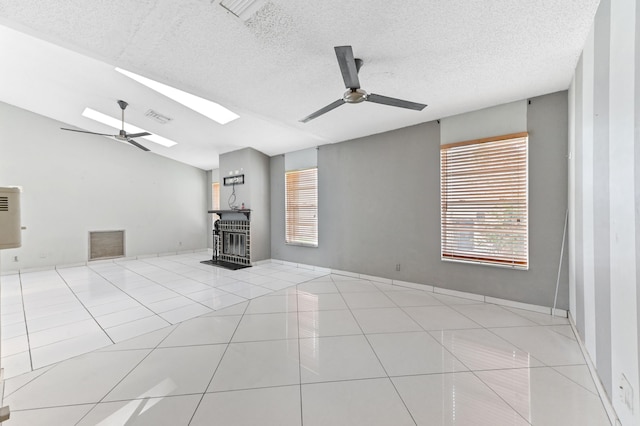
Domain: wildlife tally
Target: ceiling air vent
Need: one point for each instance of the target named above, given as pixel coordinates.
(4, 204)
(243, 9)
(156, 116)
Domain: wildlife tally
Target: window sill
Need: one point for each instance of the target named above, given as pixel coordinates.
(495, 265)
(302, 244)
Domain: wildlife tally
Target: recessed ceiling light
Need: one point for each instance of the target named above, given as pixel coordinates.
(116, 124)
(203, 106)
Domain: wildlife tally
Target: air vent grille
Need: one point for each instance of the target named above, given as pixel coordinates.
(4, 204)
(156, 116)
(106, 244)
(243, 9)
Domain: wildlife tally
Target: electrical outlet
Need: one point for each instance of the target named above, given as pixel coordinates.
(397, 266)
(626, 392)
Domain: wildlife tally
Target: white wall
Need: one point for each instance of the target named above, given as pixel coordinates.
(605, 101)
(74, 183)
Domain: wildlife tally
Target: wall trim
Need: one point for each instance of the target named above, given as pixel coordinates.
(102, 261)
(433, 289)
(606, 402)
(416, 286)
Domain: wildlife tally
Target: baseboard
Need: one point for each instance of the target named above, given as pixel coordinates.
(434, 289)
(416, 286)
(101, 261)
(608, 406)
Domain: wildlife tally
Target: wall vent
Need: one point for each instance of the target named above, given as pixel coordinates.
(10, 227)
(106, 244)
(243, 9)
(157, 117)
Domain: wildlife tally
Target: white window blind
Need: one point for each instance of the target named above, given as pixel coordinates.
(215, 195)
(484, 211)
(301, 207)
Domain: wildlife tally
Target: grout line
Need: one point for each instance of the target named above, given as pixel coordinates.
(155, 283)
(83, 305)
(378, 358)
(113, 265)
(555, 367)
(602, 394)
(299, 356)
(26, 324)
(496, 393)
(299, 353)
(48, 367)
(150, 351)
(219, 362)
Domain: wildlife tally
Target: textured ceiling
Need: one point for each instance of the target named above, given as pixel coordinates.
(280, 66)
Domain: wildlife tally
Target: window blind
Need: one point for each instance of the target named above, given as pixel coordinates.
(301, 206)
(215, 195)
(484, 211)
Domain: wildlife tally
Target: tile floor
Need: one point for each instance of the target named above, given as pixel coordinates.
(54, 315)
(326, 350)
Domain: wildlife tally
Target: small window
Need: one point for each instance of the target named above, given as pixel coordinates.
(215, 196)
(301, 207)
(484, 211)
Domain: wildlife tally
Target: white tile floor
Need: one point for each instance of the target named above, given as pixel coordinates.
(325, 350)
(54, 315)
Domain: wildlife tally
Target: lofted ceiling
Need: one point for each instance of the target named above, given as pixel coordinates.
(278, 65)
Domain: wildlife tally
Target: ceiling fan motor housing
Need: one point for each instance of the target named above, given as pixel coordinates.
(354, 96)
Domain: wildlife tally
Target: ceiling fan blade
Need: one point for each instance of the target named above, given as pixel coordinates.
(134, 143)
(347, 66)
(138, 135)
(84, 131)
(324, 110)
(385, 100)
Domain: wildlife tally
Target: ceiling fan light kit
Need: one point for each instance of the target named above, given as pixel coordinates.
(349, 67)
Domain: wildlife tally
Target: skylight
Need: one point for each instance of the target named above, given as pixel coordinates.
(116, 124)
(203, 106)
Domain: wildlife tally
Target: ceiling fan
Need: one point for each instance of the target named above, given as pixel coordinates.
(350, 66)
(122, 135)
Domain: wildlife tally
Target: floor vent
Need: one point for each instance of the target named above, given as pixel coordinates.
(106, 244)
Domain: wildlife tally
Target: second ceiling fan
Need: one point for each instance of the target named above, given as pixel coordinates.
(349, 66)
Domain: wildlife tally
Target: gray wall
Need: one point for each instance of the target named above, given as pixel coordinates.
(260, 204)
(379, 205)
(75, 183)
(254, 193)
(601, 228)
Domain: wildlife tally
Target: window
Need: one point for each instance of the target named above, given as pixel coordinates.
(483, 197)
(301, 207)
(215, 196)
